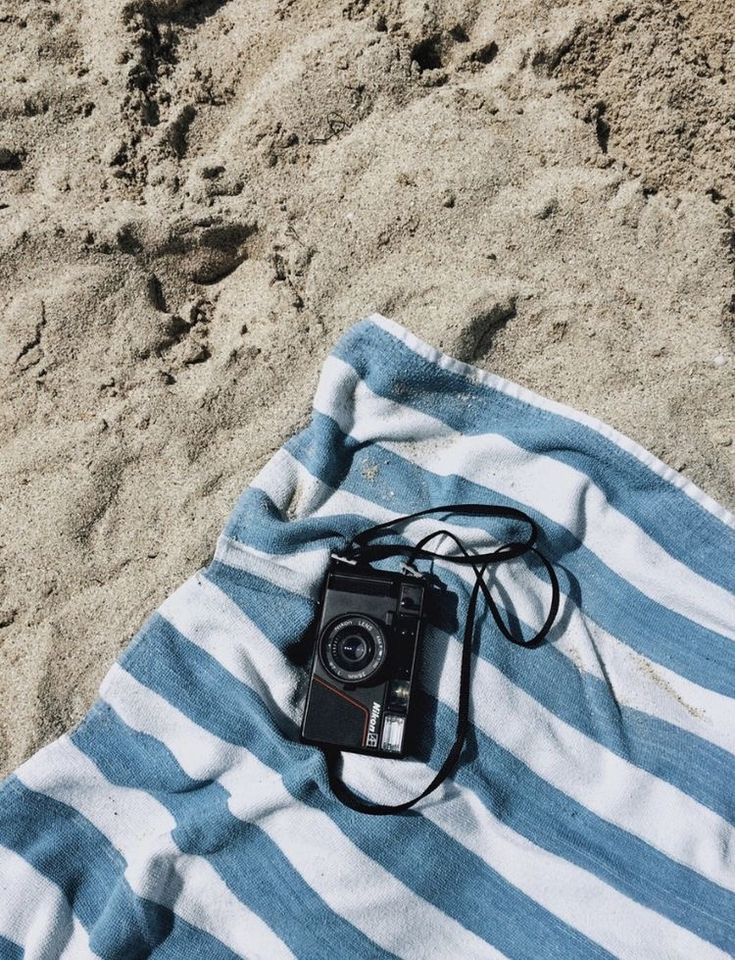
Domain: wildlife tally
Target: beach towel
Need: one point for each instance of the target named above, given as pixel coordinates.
(591, 812)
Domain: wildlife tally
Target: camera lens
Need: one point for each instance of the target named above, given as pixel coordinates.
(353, 648)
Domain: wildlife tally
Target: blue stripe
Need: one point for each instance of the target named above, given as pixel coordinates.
(191, 680)
(10, 950)
(674, 520)
(680, 644)
(694, 765)
(206, 828)
(69, 850)
(188, 677)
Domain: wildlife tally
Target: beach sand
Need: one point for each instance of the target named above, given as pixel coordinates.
(196, 199)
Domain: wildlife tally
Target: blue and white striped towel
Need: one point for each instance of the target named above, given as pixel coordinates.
(592, 812)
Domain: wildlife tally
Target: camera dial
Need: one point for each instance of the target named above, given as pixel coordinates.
(353, 649)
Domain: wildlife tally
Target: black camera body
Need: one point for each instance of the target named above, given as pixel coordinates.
(368, 632)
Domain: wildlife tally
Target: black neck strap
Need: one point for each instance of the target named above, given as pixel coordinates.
(361, 549)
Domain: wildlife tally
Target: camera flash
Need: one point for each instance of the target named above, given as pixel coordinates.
(392, 733)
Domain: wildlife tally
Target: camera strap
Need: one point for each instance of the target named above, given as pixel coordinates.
(361, 550)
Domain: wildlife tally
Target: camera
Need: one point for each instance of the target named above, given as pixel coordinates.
(369, 625)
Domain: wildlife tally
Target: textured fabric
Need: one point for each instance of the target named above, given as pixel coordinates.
(592, 811)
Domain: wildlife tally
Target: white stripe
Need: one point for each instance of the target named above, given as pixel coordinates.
(634, 681)
(36, 915)
(139, 827)
(577, 897)
(563, 494)
(379, 905)
(475, 374)
(615, 789)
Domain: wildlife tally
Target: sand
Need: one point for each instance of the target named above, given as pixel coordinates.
(196, 199)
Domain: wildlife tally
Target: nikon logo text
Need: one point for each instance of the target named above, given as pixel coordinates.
(372, 737)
